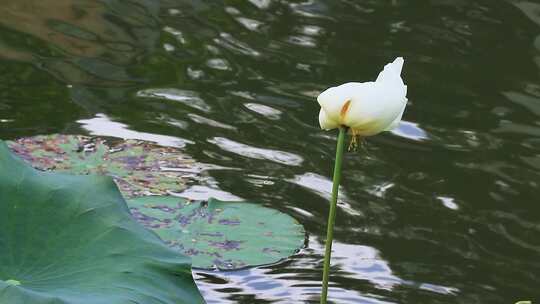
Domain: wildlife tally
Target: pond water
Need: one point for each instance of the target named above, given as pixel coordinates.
(444, 209)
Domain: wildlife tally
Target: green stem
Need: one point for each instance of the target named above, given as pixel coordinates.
(332, 214)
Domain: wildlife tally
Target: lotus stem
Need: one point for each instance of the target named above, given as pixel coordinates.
(332, 214)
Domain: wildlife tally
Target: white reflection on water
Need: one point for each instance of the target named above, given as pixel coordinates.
(227, 41)
(262, 4)
(210, 122)
(410, 130)
(250, 24)
(176, 33)
(448, 202)
(380, 190)
(189, 98)
(264, 110)
(322, 186)
(260, 180)
(360, 262)
(277, 156)
(300, 285)
(218, 64)
(198, 192)
(102, 125)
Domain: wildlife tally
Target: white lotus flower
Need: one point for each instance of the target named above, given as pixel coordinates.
(367, 108)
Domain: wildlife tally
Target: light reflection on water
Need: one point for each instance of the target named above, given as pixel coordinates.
(281, 157)
(323, 186)
(441, 210)
(410, 130)
(101, 125)
(358, 263)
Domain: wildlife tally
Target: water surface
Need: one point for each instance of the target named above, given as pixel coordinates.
(442, 210)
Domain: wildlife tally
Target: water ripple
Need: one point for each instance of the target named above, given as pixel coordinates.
(103, 126)
(189, 98)
(277, 156)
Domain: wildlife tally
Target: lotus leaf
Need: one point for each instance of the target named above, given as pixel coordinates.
(224, 235)
(138, 167)
(67, 239)
(218, 234)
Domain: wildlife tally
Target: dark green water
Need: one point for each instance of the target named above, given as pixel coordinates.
(443, 210)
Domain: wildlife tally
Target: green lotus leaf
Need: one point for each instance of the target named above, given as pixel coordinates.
(218, 234)
(67, 239)
(215, 234)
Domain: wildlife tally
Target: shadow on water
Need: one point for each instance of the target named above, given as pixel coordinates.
(442, 210)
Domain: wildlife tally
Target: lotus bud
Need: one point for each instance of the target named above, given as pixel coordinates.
(366, 108)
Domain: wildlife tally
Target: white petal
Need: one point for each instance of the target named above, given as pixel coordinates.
(392, 71)
(375, 108)
(396, 121)
(325, 122)
(364, 104)
(333, 99)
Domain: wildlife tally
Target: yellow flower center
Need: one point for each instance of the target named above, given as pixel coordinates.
(344, 111)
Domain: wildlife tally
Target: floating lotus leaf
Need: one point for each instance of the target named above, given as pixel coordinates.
(139, 168)
(67, 239)
(225, 235)
(218, 234)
